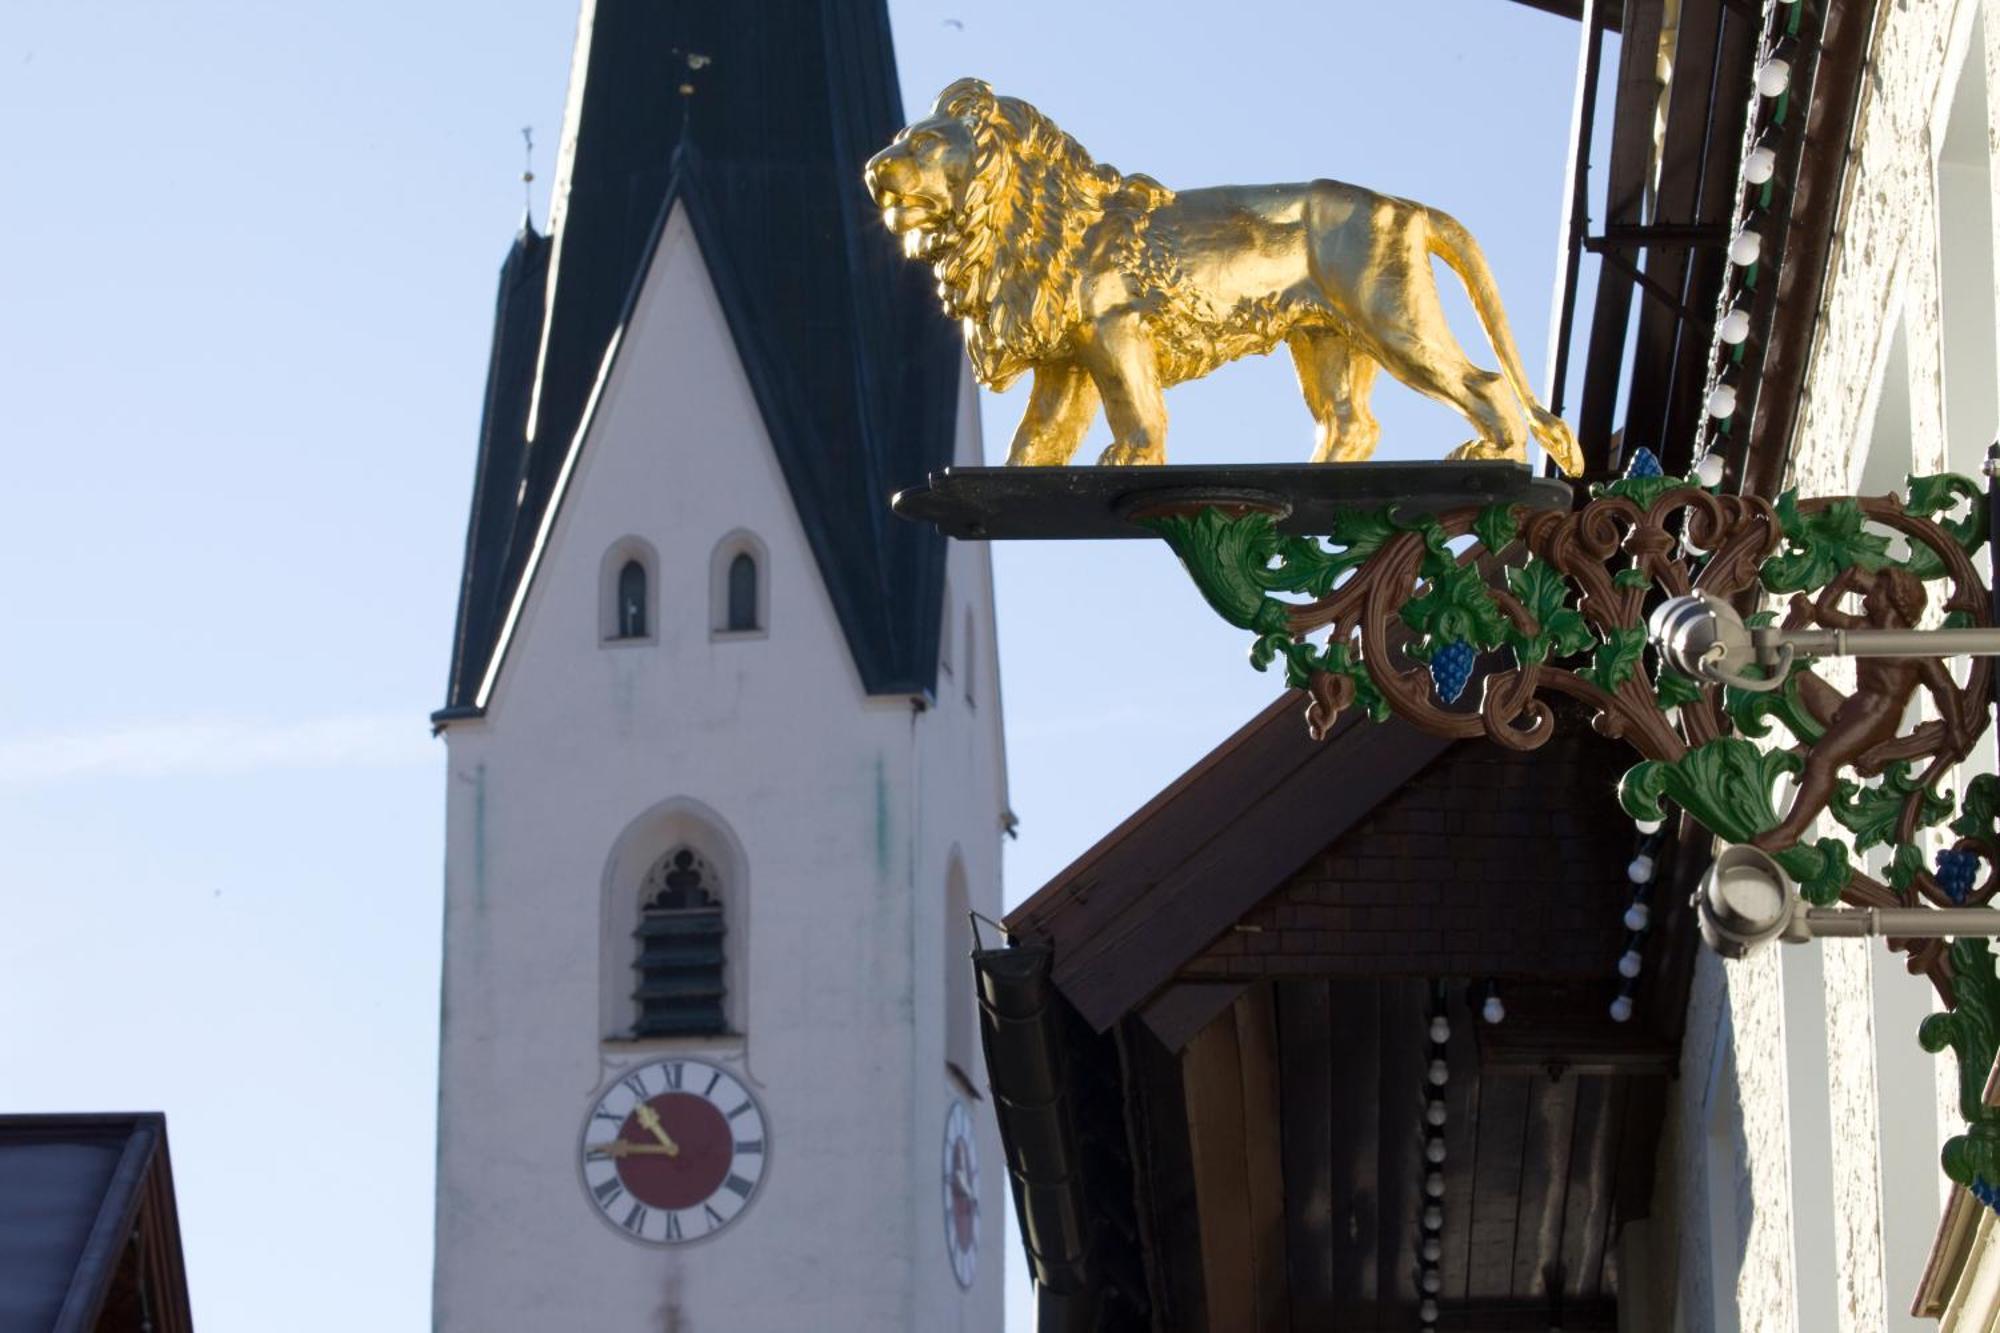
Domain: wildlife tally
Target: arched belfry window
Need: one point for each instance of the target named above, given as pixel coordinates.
(678, 972)
(627, 586)
(632, 601)
(743, 592)
(739, 587)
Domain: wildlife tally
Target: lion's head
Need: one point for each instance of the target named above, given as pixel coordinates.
(997, 198)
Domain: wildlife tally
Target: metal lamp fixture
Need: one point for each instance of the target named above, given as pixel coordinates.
(1703, 637)
(1746, 900)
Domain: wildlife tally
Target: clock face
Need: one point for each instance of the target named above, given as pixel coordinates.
(961, 1194)
(673, 1152)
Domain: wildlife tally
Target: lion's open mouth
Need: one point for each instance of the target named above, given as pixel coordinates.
(906, 213)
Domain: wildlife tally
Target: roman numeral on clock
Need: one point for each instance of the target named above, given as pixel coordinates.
(738, 1186)
(673, 1226)
(750, 1145)
(635, 1221)
(635, 1083)
(608, 1191)
(673, 1075)
(715, 1219)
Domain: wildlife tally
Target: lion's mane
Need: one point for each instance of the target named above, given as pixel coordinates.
(1009, 265)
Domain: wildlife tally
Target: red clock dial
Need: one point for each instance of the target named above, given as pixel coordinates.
(673, 1151)
(961, 1194)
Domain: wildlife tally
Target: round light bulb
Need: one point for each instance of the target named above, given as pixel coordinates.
(1428, 1310)
(1638, 916)
(1641, 869)
(1735, 326)
(1746, 249)
(1439, 1073)
(1774, 76)
(1493, 1011)
(1440, 1029)
(1629, 965)
(1647, 826)
(1434, 1151)
(1434, 1114)
(1709, 470)
(1760, 166)
(1621, 1009)
(1433, 1283)
(1434, 1184)
(1433, 1250)
(1722, 402)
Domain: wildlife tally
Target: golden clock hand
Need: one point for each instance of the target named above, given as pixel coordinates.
(651, 1120)
(627, 1148)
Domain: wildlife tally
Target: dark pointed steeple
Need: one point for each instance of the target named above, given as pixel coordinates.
(503, 433)
(756, 118)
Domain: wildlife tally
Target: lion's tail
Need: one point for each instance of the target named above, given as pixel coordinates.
(1451, 242)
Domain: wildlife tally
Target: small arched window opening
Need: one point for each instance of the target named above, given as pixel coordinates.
(625, 592)
(631, 601)
(739, 587)
(961, 1021)
(679, 990)
(971, 668)
(944, 633)
(742, 609)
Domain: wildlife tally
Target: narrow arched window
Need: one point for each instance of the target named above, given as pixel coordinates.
(631, 601)
(961, 1023)
(742, 592)
(679, 990)
(970, 668)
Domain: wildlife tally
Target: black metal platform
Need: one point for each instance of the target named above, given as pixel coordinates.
(1068, 503)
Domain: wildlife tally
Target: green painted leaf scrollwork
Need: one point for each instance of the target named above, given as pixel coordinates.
(1454, 606)
(1871, 813)
(1225, 555)
(1820, 868)
(1930, 496)
(1672, 690)
(1753, 712)
(1821, 544)
(1545, 595)
(1611, 665)
(1726, 784)
(1972, 1030)
(1981, 806)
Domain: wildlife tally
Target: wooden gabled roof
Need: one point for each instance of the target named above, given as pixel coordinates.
(1378, 852)
(1158, 888)
(89, 1236)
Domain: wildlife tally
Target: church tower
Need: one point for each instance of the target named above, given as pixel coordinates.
(725, 764)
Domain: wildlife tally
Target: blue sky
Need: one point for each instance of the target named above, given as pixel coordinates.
(246, 273)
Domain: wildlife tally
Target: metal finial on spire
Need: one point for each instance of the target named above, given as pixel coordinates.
(527, 174)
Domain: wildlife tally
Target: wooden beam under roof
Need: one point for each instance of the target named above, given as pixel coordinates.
(1636, 100)
(1614, 16)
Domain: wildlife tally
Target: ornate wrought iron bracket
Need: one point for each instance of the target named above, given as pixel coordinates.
(1391, 613)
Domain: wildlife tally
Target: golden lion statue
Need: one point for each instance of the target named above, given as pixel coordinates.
(1111, 287)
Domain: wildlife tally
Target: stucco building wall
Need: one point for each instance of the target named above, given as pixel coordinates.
(1805, 1114)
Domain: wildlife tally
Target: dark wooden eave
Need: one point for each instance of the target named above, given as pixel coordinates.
(89, 1236)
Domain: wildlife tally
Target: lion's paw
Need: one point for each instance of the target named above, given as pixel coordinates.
(1131, 455)
(1486, 449)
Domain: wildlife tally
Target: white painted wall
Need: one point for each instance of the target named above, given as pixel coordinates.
(1803, 1093)
(838, 815)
